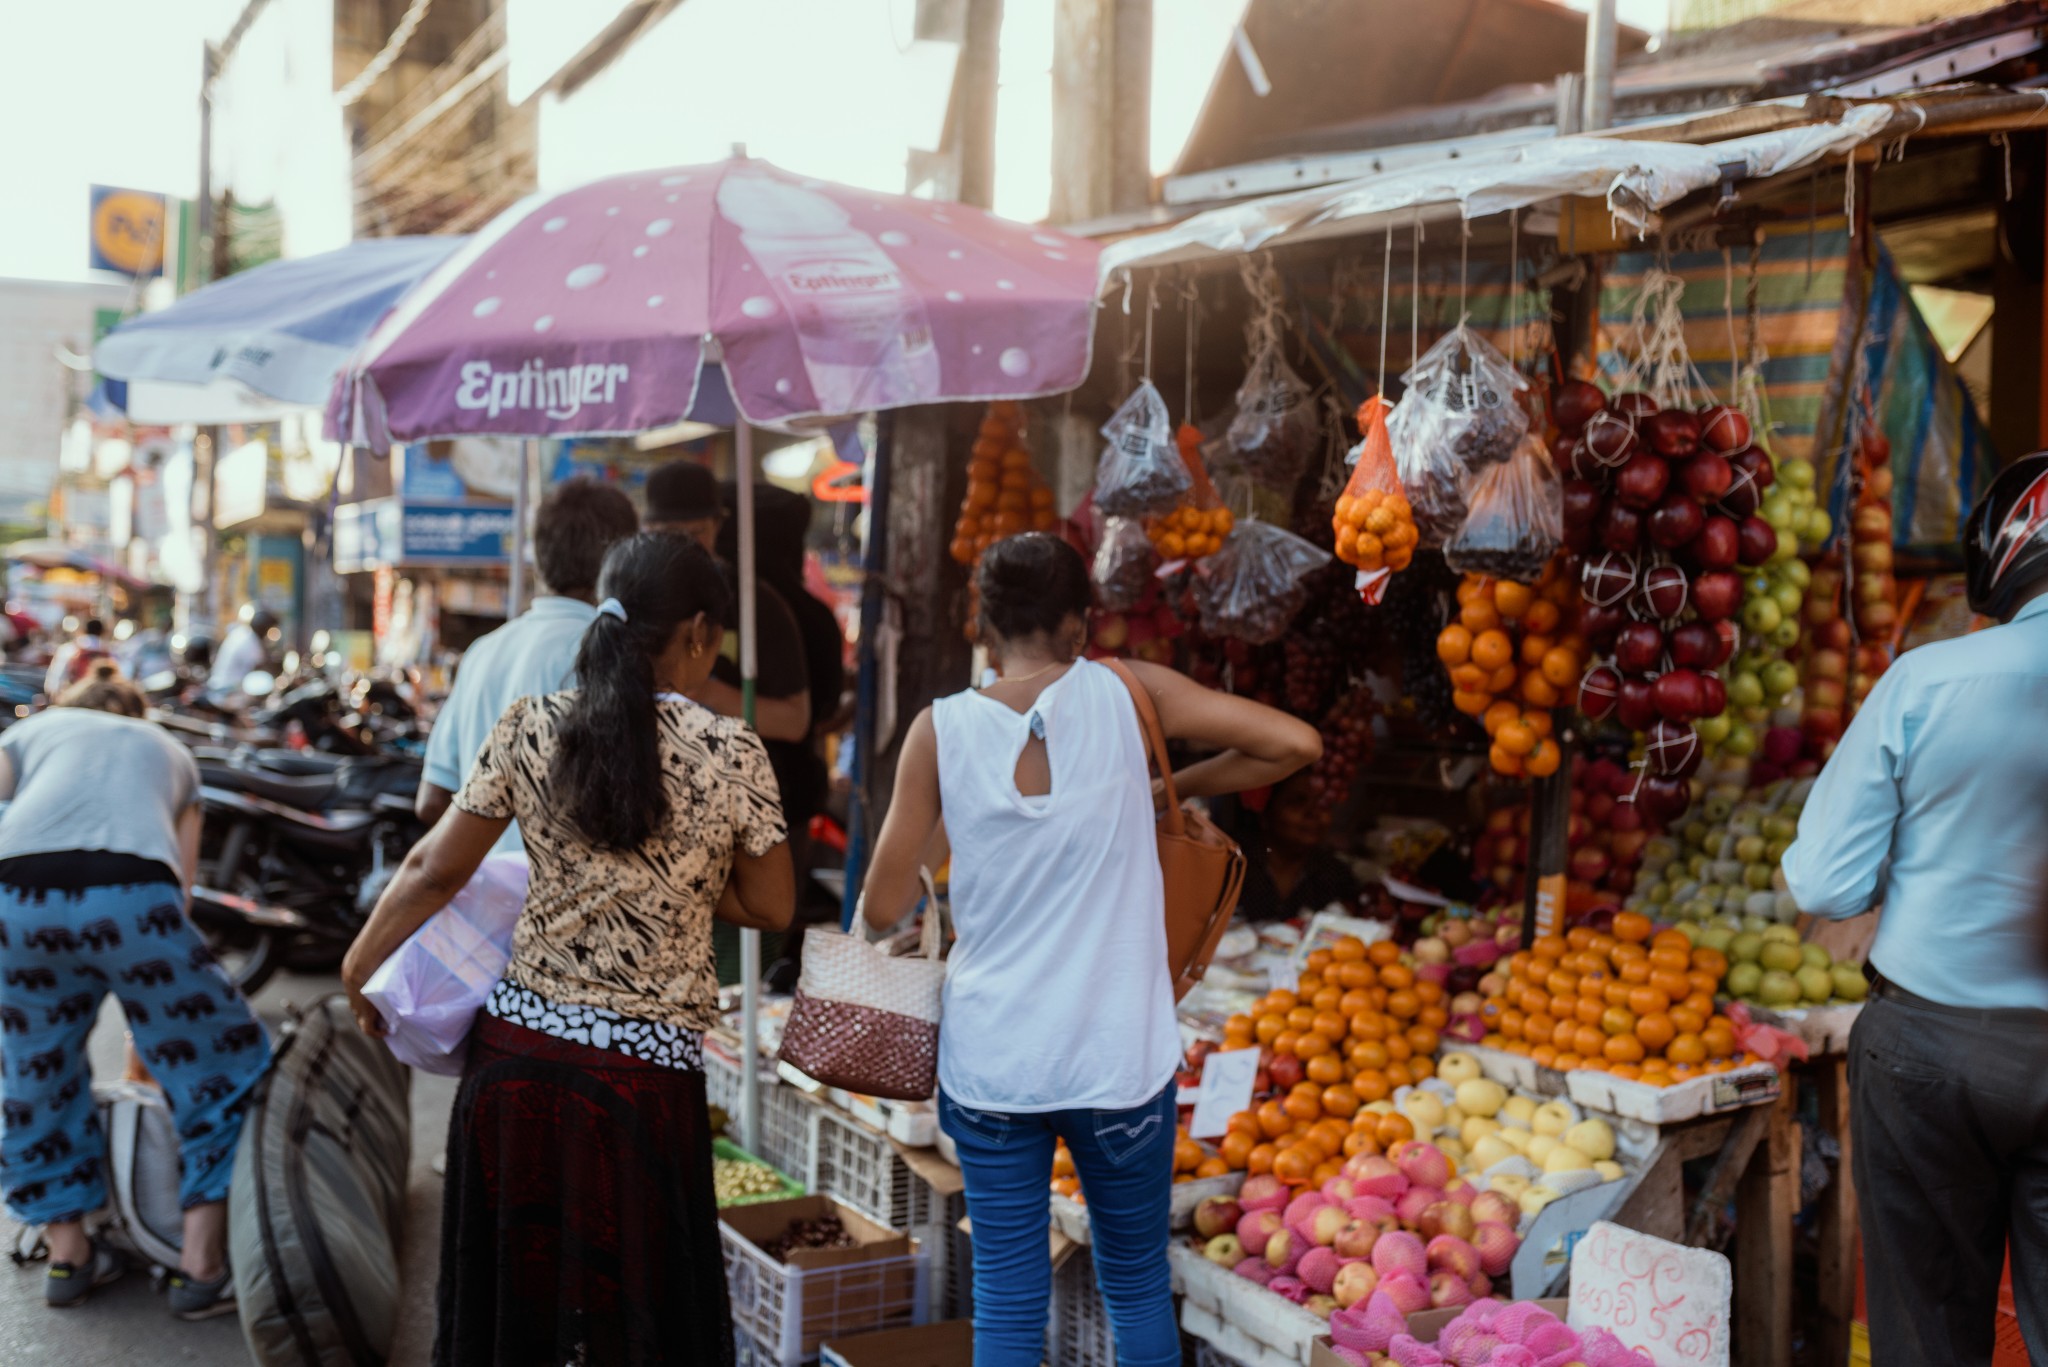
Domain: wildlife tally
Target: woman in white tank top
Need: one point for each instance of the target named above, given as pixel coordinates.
(1059, 1014)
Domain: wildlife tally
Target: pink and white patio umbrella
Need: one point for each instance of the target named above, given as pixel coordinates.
(596, 311)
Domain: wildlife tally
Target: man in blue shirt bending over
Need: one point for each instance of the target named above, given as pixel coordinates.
(1934, 807)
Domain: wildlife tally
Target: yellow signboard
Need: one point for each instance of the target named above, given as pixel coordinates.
(127, 231)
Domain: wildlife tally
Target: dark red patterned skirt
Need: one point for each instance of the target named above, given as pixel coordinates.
(579, 1223)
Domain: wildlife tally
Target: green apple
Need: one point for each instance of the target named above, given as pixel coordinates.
(1850, 984)
(1813, 956)
(1784, 935)
(1815, 984)
(1741, 740)
(1743, 979)
(1788, 598)
(1716, 937)
(1786, 634)
(1796, 473)
(1750, 849)
(1780, 677)
(1778, 990)
(1815, 526)
(1796, 572)
(1746, 689)
(1713, 730)
(1744, 948)
(1761, 615)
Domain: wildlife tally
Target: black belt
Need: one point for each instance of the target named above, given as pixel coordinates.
(1884, 989)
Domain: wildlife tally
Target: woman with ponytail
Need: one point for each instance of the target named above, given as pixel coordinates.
(579, 1222)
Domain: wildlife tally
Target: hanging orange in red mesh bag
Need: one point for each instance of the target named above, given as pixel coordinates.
(1375, 526)
(1198, 524)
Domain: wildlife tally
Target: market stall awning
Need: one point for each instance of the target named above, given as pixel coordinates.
(1635, 178)
(267, 342)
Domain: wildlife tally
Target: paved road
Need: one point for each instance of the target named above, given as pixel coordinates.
(126, 1324)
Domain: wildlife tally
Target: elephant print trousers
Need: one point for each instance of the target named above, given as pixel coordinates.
(60, 953)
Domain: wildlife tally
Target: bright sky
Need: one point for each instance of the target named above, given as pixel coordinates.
(94, 92)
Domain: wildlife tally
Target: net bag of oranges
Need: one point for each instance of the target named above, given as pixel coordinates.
(1516, 520)
(1141, 471)
(1255, 586)
(1199, 523)
(1005, 496)
(1375, 527)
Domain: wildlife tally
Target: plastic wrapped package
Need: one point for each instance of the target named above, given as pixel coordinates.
(1517, 518)
(1460, 414)
(432, 986)
(1141, 470)
(1123, 565)
(1274, 434)
(1255, 586)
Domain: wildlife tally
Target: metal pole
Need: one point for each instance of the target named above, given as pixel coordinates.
(874, 568)
(1600, 66)
(515, 598)
(750, 939)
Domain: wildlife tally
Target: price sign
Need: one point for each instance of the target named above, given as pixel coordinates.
(1227, 1079)
(1663, 1300)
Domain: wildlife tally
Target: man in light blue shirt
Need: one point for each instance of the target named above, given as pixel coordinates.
(535, 652)
(1935, 807)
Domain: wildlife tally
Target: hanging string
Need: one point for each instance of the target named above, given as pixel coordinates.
(1728, 308)
(1188, 400)
(1415, 296)
(1386, 302)
(2005, 146)
(1464, 245)
(1151, 308)
(1514, 288)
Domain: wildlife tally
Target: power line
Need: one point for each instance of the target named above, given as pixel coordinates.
(381, 63)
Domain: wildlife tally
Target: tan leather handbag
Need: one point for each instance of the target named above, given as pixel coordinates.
(1203, 868)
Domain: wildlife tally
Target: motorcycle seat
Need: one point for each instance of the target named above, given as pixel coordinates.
(308, 794)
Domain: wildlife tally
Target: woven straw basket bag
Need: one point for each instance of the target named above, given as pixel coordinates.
(865, 1020)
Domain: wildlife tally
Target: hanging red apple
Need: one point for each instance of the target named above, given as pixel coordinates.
(1641, 482)
(1724, 429)
(1635, 708)
(1695, 645)
(1717, 594)
(1621, 528)
(1675, 521)
(1573, 404)
(1599, 692)
(1638, 649)
(1608, 579)
(1757, 542)
(1672, 433)
(1672, 749)
(1707, 476)
(1664, 592)
(1717, 545)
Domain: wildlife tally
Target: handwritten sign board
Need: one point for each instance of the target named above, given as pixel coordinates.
(1662, 1299)
(1227, 1078)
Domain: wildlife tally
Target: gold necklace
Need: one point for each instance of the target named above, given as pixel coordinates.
(1036, 673)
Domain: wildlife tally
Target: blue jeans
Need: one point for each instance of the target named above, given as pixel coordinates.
(60, 952)
(1125, 1162)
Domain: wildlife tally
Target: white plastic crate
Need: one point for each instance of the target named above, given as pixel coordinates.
(857, 1164)
(789, 1125)
(1077, 1332)
(774, 1305)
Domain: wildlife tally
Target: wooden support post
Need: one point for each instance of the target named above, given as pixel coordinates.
(1765, 1203)
(1101, 108)
(1837, 1227)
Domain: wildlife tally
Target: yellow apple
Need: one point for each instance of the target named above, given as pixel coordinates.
(1539, 1148)
(1535, 1199)
(1553, 1118)
(1489, 1149)
(1481, 1096)
(1455, 1068)
(1518, 1110)
(1609, 1170)
(1510, 1185)
(1565, 1158)
(1593, 1137)
(1477, 1127)
(1425, 1109)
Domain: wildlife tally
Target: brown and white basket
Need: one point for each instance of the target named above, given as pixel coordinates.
(867, 1021)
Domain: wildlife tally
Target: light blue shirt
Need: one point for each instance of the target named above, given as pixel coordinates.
(1935, 806)
(533, 653)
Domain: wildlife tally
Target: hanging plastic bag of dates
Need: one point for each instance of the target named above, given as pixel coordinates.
(1516, 520)
(1123, 565)
(1460, 414)
(1253, 588)
(1141, 471)
(1273, 434)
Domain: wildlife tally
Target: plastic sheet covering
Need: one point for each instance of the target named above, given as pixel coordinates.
(430, 990)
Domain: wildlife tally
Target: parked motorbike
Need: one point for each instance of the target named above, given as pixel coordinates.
(313, 834)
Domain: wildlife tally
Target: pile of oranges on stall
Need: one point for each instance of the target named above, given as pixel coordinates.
(1632, 1003)
(1358, 1024)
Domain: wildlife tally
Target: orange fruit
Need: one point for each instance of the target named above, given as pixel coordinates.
(1260, 1160)
(1671, 939)
(1617, 993)
(1618, 1020)
(1479, 616)
(1304, 1108)
(1383, 952)
(1632, 969)
(1491, 649)
(1539, 1028)
(1358, 1142)
(1420, 1067)
(1544, 760)
(1665, 959)
(1454, 644)
(1712, 961)
(1399, 1050)
(1516, 737)
(1301, 1018)
(1565, 1035)
(1329, 1024)
(1212, 1167)
(1534, 648)
(1341, 1101)
(1422, 1039)
(1588, 1010)
(1435, 1017)
(1403, 1005)
(1673, 985)
(1655, 1030)
(1649, 1000)
(1267, 1028)
(1353, 976)
(1544, 1056)
(1325, 1069)
(1552, 947)
(1719, 1040)
(1562, 984)
(1326, 1000)
(1535, 1001)
(1627, 1072)
(1538, 691)
(1236, 1150)
(1311, 1045)
(1348, 949)
(1371, 1085)
(1686, 1021)
(1399, 1075)
(1392, 1129)
(1394, 976)
(1568, 1062)
(1285, 1041)
(1560, 667)
(1294, 1166)
(1632, 926)
(1512, 599)
(1703, 983)
(1588, 1041)
(1622, 1049)
(1274, 1120)
(1497, 716)
(1428, 991)
(1686, 1049)
(1187, 1154)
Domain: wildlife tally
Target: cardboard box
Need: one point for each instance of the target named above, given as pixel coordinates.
(819, 1293)
(1425, 1327)
(949, 1343)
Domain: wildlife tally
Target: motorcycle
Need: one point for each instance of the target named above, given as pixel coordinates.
(314, 835)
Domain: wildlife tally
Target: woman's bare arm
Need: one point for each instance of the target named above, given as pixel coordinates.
(761, 893)
(892, 888)
(1258, 745)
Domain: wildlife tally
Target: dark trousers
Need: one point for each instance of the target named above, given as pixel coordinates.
(1949, 1123)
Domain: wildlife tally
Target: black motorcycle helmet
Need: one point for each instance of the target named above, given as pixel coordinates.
(2005, 544)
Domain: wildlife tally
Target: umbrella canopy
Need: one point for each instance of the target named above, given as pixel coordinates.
(594, 312)
(257, 345)
(44, 553)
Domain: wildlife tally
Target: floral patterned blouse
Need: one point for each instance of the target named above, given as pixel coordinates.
(628, 931)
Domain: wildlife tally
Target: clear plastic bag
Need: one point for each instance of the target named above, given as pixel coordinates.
(1274, 434)
(1517, 518)
(432, 986)
(1459, 415)
(1123, 565)
(1141, 470)
(1255, 586)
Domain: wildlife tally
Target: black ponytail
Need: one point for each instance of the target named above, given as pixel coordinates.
(607, 766)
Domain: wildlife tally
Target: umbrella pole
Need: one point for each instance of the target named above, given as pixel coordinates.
(516, 594)
(750, 940)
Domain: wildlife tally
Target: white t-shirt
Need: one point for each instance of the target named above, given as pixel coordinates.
(239, 655)
(534, 653)
(1057, 994)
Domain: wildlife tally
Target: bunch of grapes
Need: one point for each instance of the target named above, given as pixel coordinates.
(1310, 662)
(1347, 746)
(1414, 610)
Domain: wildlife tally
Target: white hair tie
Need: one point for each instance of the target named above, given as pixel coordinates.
(611, 607)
